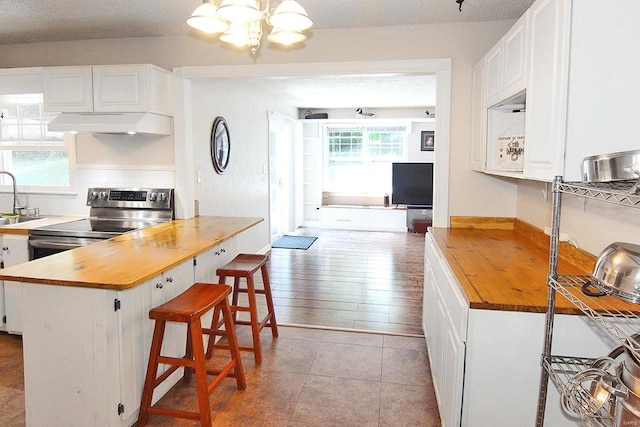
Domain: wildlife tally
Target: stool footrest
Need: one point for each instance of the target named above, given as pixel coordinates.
(176, 413)
(164, 376)
(177, 361)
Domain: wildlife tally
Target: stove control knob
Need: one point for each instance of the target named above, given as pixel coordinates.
(93, 195)
(153, 197)
(162, 197)
(102, 195)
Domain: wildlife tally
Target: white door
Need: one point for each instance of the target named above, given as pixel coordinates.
(281, 174)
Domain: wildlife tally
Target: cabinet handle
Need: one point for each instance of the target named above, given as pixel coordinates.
(217, 252)
(223, 250)
(159, 285)
(169, 279)
(5, 248)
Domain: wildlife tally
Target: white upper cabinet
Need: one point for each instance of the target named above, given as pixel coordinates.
(604, 88)
(515, 58)
(546, 108)
(493, 79)
(107, 89)
(68, 89)
(579, 91)
(506, 64)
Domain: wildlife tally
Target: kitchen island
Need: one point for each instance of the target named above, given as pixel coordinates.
(86, 331)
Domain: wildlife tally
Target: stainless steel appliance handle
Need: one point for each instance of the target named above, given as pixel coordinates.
(52, 245)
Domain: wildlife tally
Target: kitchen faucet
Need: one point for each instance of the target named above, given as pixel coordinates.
(16, 202)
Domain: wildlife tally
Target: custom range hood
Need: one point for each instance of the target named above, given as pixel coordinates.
(114, 123)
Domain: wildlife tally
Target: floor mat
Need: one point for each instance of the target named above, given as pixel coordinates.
(294, 242)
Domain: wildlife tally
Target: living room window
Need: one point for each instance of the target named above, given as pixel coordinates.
(38, 158)
(358, 159)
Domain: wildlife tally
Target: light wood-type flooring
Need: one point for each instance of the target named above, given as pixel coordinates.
(357, 280)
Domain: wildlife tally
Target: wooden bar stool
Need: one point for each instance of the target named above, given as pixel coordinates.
(245, 266)
(189, 307)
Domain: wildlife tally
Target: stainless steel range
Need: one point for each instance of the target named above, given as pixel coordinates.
(114, 211)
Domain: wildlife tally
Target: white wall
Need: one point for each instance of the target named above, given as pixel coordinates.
(465, 43)
(592, 224)
(243, 189)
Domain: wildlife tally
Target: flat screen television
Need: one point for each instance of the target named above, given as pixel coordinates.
(412, 184)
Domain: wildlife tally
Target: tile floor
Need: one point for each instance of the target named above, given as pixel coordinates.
(308, 377)
(315, 377)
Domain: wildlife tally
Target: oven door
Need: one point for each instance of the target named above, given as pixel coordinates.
(42, 246)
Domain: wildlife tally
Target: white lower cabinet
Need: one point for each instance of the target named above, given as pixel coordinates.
(445, 342)
(15, 250)
(485, 364)
(209, 261)
(99, 340)
(136, 331)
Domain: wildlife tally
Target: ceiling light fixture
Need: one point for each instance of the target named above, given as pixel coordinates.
(240, 22)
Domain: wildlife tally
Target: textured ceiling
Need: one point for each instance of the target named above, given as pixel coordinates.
(26, 21)
(29, 21)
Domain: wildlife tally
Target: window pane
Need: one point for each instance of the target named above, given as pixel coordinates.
(359, 158)
(40, 168)
(23, 135)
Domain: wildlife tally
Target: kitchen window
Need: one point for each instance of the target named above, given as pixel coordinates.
(40, 160)
(358, 158)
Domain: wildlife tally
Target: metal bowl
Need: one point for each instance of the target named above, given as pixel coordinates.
(617, 271)
(621, 166)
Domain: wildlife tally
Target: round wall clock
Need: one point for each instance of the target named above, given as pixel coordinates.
(220, 144)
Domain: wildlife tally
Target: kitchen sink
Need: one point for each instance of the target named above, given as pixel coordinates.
(20, 219)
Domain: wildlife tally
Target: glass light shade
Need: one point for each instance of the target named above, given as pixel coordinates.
(240, 10)
(289, 15)
(237, 35)
(285, 37)
(205, 19)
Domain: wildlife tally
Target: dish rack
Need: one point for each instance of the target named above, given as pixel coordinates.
(617, 318)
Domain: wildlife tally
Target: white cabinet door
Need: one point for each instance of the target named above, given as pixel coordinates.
(506, 64)
(547, 89)
(442, 319)
(15, 250)
(453, 350)
(67, 89)
(119, 88)
(478, 120)
(515, 61)
(614, 85)
(136, 331)
(131, 88)
(493, 79)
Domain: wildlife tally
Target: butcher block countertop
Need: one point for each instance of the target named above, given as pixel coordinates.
(132, 258)
(504, 267)
(24, 227)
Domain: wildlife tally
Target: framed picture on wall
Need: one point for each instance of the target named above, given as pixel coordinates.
(427, 140)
